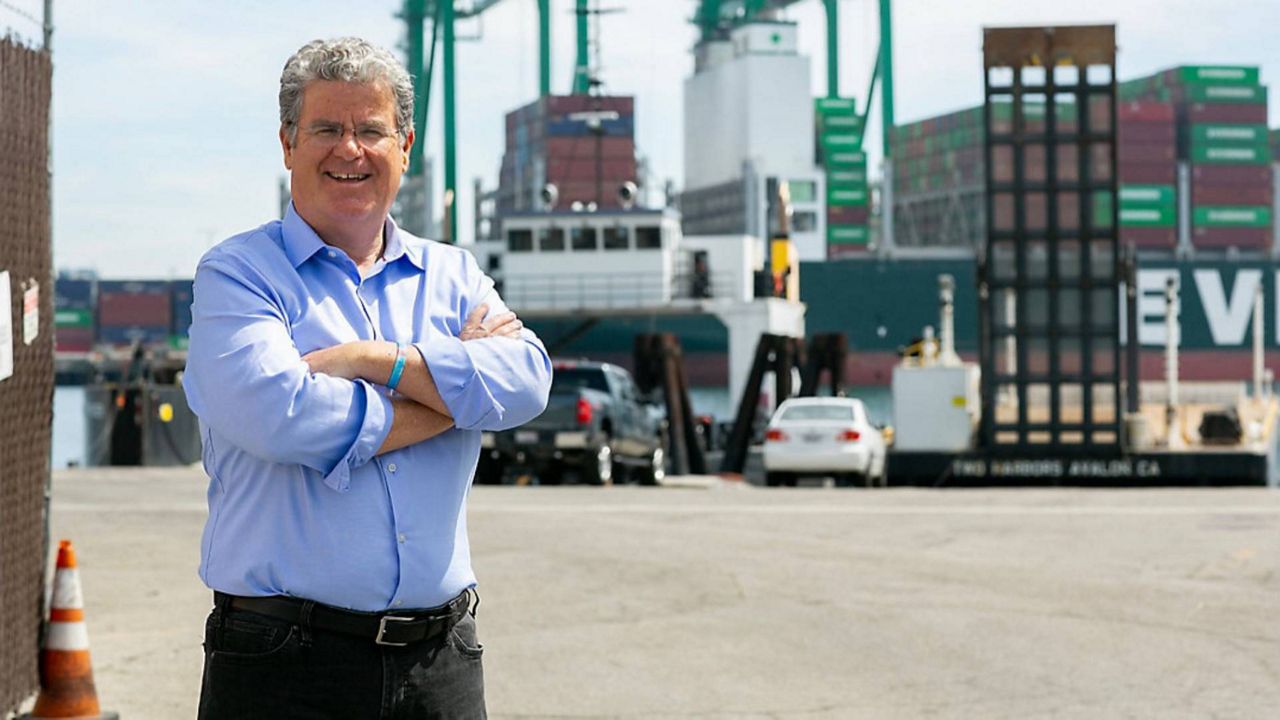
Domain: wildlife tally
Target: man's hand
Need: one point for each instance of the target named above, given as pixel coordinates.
(477, 327)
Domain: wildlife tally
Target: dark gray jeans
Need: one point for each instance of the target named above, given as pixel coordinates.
(261, 667)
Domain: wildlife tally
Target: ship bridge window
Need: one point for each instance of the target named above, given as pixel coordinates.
(803, 191)
(519, 240)
(551, 239)
(617, 238)
(804, 221)
(584, 238)
(648, 237)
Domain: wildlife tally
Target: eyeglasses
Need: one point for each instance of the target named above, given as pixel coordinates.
(369, 137)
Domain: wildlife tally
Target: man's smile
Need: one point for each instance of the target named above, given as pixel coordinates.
(346, 177)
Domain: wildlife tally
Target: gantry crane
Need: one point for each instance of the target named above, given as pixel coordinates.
(443, 15)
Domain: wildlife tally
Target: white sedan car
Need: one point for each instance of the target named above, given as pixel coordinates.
(823, 436)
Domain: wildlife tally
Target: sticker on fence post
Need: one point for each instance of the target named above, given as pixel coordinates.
(6, 327)
(30, 313)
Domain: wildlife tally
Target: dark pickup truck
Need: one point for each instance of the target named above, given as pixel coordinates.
(595, 427)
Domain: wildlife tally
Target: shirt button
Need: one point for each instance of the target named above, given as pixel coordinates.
(333, 254)
(402, 537)
(391, 467)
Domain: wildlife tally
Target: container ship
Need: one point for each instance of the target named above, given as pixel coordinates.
(570, 233)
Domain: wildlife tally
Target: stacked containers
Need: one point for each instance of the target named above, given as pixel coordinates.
(838, 140)
(134, 311)
(938, 163)
(73, 315)
(1148, 158)
(1222, 117)
(549, 141)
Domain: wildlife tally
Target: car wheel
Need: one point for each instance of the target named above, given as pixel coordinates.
(778, 479)
(598, 468)
(656, 469)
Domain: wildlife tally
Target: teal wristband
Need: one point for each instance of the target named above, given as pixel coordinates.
(398, 369)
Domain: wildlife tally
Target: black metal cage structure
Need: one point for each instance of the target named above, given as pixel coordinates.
(26, 397)
(1049, 277)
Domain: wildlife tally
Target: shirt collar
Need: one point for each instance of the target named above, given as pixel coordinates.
(301, 241)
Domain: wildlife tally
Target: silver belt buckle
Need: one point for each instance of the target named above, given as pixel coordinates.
(382, 630)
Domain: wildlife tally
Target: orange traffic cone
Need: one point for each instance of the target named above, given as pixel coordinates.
(66, 673)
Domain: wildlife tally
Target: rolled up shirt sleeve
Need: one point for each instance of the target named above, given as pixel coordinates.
(246, 380)
(492, 383)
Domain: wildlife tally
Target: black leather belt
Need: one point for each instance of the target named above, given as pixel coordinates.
(395, 629)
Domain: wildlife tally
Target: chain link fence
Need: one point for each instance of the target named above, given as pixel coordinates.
(26, 397)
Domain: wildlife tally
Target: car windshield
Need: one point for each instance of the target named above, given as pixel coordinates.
(817, 412)
(570, 380)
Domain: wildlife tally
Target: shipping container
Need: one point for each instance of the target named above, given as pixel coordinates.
(131, 302)
(73, 293)
(1249, 238)
(1166, 216)
(1149, 237)
(1258, 154)
(181, 313)
(73, 339)
(1148, 195)
(1202, 194)
(1226, 113)
(1220, 216)
(65, 317)
(1228, 134)
(848, 215)
(1232, 175)
(848, 234)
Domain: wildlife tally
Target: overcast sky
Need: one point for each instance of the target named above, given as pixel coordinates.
(165, 113)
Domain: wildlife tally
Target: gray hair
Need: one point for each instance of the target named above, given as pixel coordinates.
(347, 59)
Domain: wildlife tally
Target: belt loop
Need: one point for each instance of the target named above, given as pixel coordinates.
(304, 621)
(473, 607)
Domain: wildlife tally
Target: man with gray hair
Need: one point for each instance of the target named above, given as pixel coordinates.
(343, 370)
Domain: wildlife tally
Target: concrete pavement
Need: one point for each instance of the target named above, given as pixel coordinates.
(728, 601)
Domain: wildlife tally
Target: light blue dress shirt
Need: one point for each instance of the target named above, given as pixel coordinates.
(298, 503)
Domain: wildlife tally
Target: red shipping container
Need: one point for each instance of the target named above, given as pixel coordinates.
(73, 339)
(1144, 111)
(565, 170)
(1132, 133)
(1148, 173)
(1147, 152)
(125, 308)
(1204, 194)
(1232, 175)
(563, 104)
(1222, 237)
(838, 215)
(1227, 113)
(1149, 237)
(835, 252)
(586, 147)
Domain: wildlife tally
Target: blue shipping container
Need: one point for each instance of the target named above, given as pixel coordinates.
(72, 294)
(181, 299)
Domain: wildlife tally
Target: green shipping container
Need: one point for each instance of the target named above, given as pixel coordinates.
(1253, 95)
(846, 177)
(846, 160)
(846, 197)
(1256, 216)
(839, 140)
(835, 106)
(1203, 134)
(842, 123)
(73, 318)
(848, 234)
(1259, 154)
(1148, 217)
(178, 342)
(1218, 74)
(1143, 196)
